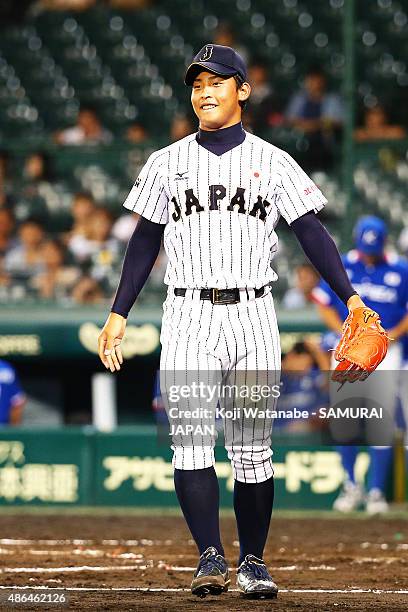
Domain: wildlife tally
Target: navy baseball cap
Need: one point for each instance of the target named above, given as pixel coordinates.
(370, 234)
(217, 59)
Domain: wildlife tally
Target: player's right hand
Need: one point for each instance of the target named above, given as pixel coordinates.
(109, 342)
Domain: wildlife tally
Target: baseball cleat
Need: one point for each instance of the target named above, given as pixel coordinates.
(376, 502)
(254, 581)
(351, 498)
(211, 576)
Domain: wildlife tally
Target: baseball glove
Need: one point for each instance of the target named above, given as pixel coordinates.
(362, 347)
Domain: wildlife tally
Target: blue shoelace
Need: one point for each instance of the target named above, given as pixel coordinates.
(260, 571)
(211, 561)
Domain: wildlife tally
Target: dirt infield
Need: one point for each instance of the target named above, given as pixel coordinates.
(364, 560)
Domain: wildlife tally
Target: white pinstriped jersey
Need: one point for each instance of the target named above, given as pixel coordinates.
(221, 211)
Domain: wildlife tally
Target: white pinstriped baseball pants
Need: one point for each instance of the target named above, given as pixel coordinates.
(237, 340)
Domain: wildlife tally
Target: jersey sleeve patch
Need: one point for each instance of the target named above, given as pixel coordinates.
(297, 194)
(147, 196)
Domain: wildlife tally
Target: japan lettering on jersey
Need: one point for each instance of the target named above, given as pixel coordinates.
(383, 287)
(221, 211)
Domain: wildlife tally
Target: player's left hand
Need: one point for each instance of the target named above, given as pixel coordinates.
(109, 342)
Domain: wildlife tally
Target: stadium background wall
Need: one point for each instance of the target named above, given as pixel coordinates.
(128, 467)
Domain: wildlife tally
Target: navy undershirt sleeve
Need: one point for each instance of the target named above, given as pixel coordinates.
(322, 252)
(141, 253)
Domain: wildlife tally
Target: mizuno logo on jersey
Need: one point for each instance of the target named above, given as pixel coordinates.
(217, 193)
(181, 176)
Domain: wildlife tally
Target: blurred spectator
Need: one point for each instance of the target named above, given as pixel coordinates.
(24, 259)
(97, 228)
(319, 114)
(100, 226)
(87, 131)
(305, 354)
(304, 385)
(87, 291)
(7, 223)
(4, 170)
(56, 279)
(124, 227)
(106, 249)
(261, 109)
(136, 133)
(299, 296)
(97, 251)
(37, 168)
(181, 126)
(12, 397)
(377, 127)
(82, 209)
(66, 5)
(35, 181)
(224, 35)
(36, 172)
(5, 179)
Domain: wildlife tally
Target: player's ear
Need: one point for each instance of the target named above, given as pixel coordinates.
(244, 92)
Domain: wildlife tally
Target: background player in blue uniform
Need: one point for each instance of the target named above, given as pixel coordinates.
(303, 386)
(12, 398)
(382, 282)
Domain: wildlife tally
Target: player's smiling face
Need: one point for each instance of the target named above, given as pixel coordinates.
(215, 100)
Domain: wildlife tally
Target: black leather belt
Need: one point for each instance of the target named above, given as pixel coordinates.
(220, 296)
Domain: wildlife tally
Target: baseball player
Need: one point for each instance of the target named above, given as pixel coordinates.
(382, 281)
(216, 197)
(12, 397)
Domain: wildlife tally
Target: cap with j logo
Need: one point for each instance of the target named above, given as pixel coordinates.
(217, 59)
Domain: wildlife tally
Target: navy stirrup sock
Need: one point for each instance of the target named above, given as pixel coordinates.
(253, 503)
(199, 498)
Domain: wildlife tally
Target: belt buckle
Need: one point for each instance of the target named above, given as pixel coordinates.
(215, 299)
(214, 296)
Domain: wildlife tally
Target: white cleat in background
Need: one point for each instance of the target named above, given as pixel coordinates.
(350, 498)
(376, 502)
